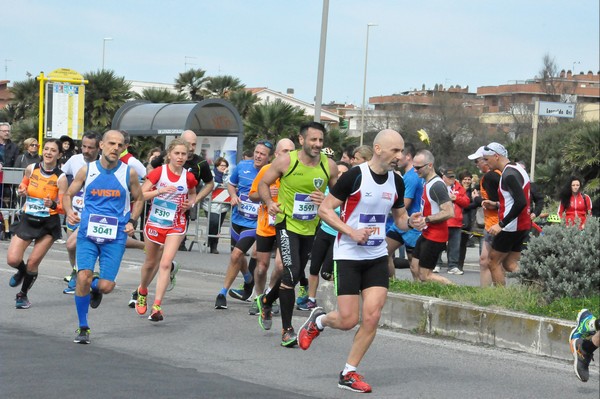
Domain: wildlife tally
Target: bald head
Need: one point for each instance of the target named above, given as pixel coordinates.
(388, 148)
(284, 146)
(190, 137)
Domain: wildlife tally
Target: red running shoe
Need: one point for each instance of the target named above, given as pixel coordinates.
(309, 330)
(354, 382)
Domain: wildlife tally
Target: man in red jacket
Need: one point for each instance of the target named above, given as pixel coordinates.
(459, 199)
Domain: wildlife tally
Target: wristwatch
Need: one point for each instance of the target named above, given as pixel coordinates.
(427, 220)
(133, 223)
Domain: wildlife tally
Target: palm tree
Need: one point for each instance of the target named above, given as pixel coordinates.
(105, 94)
(193, 83)
(155, 95)
(25, 101)
(243, 100)
(221, 86)
(272, 121)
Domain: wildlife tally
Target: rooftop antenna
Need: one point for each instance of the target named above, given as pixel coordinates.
(186, 62)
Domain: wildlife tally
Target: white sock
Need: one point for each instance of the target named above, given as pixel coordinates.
(318, 322)
(348, 369)
(312, 299)
(267, 290)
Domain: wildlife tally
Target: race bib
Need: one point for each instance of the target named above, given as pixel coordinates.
(102, 229)
(304, 208)
(77, 202)
(36, 207)
(247, 208)
(376, 223)
(272, 219)
(163, 212)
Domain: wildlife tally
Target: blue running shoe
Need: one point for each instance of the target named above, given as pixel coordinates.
(22, 302)
(70, 287)
(585, 325)
(302, 295)
(16, 279)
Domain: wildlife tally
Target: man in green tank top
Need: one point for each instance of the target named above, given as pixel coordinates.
(304, 174)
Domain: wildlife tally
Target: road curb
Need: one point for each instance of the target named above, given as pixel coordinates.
(500, 328)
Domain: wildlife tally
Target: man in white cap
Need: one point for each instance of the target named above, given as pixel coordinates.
(512, 229)
(488, 190)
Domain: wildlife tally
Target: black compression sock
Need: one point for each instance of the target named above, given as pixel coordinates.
(252, 266)
(28, 281)
(286, 302)
(273, 294)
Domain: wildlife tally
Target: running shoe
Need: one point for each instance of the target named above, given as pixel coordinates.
(157, 314)
(172, 280)
(581, 360)
(353, 382)
(83, 336)
(71, 276)
(253, 310)
(288, 338)
(265, 319)
(455, 270)
(309, 329)
(585, 325)
(95, 298)
(302, 295)
(133, 300)
(436, 269)
(307, 306)
(22, 302)
(221, 302)
(244, 292)
(140, 306)
(70, 287)
(16, 279)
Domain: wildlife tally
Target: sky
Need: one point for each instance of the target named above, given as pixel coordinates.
(275, 43)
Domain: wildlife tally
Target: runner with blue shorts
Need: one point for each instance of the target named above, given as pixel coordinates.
(105, 222)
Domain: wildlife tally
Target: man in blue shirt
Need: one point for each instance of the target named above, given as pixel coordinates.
(413, 191)
(243, 223)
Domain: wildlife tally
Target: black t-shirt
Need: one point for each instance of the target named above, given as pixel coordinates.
(198, 166)
(350, 181)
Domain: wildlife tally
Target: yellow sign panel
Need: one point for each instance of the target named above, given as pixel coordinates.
(64, 75)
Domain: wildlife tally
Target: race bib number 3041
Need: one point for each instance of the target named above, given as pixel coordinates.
(102, 229)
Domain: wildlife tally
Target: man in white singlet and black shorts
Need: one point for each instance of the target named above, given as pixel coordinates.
(366, 194)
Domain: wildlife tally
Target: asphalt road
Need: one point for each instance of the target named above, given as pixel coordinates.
(199, 352)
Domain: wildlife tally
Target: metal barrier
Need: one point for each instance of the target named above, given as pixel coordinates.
(10, 204)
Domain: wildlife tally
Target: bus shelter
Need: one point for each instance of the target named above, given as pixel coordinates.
(218, 126)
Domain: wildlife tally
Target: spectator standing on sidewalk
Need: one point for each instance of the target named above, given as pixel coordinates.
(30, 153)
(574, 205)
(459, 199)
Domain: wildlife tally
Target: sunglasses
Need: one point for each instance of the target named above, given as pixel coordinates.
(266, 144)
(486, 148)
(34, 145)
(419, 167)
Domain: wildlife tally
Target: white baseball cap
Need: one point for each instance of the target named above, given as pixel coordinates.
(495, 148)
(477, 154)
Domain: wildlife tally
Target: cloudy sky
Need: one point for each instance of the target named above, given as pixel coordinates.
(275, 43)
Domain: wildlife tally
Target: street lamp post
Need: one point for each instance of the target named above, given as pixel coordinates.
(362, 115)
(106, 39)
